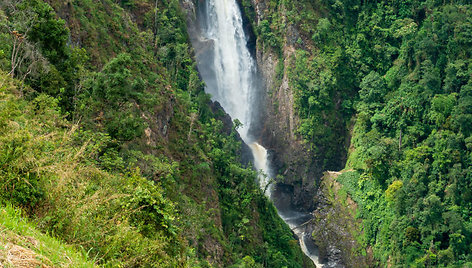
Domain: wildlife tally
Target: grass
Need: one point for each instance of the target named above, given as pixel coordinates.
(22, 245)
(48, 166)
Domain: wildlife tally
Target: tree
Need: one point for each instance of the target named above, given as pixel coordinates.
(24, 56)
(49, 32)
(392, 190)
(115, 83)
(441, 108)
(372, 89)
(412, 235)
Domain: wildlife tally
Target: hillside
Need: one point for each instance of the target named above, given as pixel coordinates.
(382, 90)
(108, 142)
(22, 245)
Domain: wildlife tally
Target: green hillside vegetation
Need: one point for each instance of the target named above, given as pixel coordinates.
(402, 71)
(21, 244)
(108, 142)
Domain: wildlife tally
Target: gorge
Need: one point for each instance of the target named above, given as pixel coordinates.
(232, 78)
(236, 133)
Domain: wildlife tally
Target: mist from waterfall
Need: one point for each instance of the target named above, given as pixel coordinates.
(231, 78)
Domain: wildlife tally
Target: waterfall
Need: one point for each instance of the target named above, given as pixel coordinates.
(230, 74)
(233, 67)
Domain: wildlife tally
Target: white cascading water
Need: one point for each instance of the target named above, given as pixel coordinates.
(234, 68)
(261, 163)
(234, 72)
(230, 74)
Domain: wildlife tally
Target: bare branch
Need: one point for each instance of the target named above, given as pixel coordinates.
(24, 54)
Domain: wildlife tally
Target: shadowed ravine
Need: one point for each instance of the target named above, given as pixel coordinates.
(231, 77)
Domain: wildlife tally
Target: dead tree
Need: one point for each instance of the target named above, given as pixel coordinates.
(25, 55)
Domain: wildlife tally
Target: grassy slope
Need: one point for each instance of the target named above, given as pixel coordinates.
(47, 170)
(23, 245)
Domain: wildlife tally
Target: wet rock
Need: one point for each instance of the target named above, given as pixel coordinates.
(334, 258)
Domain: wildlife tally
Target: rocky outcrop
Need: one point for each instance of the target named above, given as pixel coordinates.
(290, 156)
(245, 154)
(336, 231)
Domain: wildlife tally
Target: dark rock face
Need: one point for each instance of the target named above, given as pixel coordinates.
(323, 229)
(296, 167)
(290, 156)
(248, 31)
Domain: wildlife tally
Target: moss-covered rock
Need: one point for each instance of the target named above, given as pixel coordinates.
(337, 231)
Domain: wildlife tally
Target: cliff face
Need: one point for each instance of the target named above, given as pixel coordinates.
(299, 171)
(324, 65)
(334, 226)
(277, 127)
(290, 155)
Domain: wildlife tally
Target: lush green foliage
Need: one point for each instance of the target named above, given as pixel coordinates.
(412, 132)
(110, 143)
(403, 70)
(21, 240)
(49, 173)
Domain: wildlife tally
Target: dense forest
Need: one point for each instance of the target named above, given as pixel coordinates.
(111, 153)
(395, 77)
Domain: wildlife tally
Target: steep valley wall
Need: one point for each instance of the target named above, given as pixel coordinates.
(298, 168)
